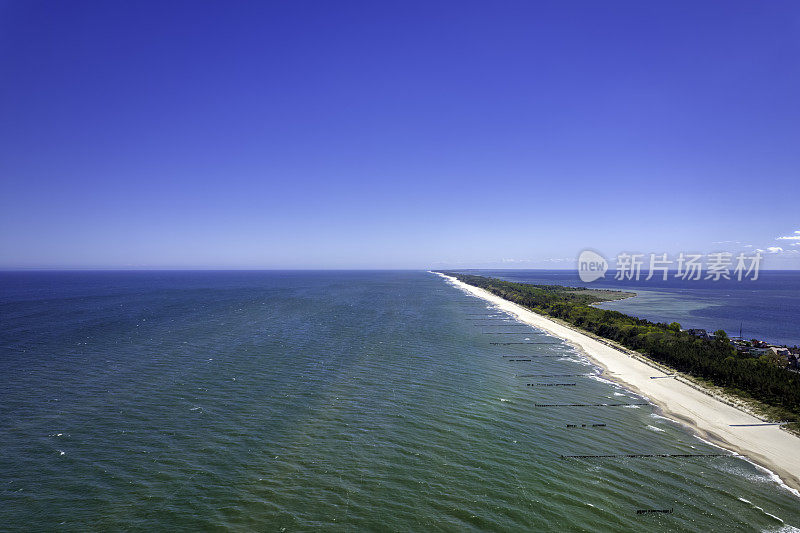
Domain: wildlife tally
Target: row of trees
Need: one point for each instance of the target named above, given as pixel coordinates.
(713, 360)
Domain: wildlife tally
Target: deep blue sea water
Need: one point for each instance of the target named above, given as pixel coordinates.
(334, 401)
(767, 308)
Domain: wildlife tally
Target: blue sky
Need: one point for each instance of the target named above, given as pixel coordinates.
(395, 134)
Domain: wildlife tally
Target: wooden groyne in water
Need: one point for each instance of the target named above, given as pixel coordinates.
(587, 404)
(644, 455)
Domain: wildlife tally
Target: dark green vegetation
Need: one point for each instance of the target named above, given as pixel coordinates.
(713, 361)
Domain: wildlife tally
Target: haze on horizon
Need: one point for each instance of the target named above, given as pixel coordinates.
(395, 135)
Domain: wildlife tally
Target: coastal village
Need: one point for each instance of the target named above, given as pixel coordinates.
(781, 355)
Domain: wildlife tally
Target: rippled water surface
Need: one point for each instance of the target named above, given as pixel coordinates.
(329, 401)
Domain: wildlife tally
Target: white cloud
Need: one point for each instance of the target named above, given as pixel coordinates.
(771, 250)
(795, 237)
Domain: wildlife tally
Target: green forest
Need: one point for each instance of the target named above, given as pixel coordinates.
(714, 361)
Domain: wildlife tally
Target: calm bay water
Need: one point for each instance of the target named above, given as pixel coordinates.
(329, 401)
(767, 308)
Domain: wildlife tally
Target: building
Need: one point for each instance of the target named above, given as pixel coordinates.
(701, 333)
(780, 350)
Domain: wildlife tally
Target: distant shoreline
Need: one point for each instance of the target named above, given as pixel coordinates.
(685, 402)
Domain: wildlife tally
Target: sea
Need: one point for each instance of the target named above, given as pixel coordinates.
(332, 401)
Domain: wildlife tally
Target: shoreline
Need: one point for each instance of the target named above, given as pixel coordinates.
(705, 414)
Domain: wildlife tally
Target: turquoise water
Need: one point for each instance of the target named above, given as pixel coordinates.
(328, 401)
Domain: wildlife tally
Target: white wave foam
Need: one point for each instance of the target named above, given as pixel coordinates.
(761, 509)
(597, 377)
(774, 477)
(769, 474)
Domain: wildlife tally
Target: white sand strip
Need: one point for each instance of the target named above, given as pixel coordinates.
(711, 418)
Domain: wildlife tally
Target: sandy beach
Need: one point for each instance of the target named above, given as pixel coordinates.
(709, 417)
